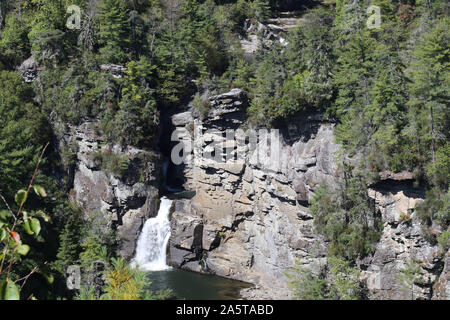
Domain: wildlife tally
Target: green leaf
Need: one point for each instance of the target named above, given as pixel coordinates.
(4, 214)
(45, 272)
(27, 227)
(23, 249)
(3, 234)
(35, 225)
(21, 197)
(40, 191)
(44, 216)
(9, 290)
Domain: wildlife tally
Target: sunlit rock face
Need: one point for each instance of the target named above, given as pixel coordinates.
(249, 220)
(123, 199)
(401, 242)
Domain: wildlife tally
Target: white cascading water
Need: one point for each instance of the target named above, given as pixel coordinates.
(152, 243)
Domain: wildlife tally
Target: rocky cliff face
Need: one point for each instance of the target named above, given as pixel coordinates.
(249, 219)
(442, 286)
(402, 243)
(119, 183)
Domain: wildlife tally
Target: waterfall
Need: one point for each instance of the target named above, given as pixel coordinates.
(152, 243)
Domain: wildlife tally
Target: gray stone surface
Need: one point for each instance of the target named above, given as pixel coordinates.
(126, 201)
(255, 218)
(401, 242)
(249, 219)
(442, 285)
(253, 226)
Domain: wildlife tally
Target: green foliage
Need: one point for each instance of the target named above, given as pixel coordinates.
(203, 106)
(14, 45)
(429, 94)
(239, 75)
(387, 90)
(346, 217)
(70, 238)
(13, 227)
(409, 276)
(296, 77)
(92, 251)
(339, 282)
(86, 293)
(436, 207)
(114, 31)
(124, 283)
(344, 280)
(9, 290)
(259, 10)
(438, 171)
(99, 228)
(444, 240)
(306, 285)
(269, 79)
(23, 131)
(137, 117)
(112, 163)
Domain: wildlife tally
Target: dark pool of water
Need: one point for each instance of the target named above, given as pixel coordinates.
(188, 285)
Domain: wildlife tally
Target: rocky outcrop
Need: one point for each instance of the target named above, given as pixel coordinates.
(257, 34)
(115, 70)
(248, 219)
(442, 285)
(29, 69)
(119, 183)
(402, 246)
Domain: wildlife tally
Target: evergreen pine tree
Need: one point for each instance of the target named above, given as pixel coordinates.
(114, 31)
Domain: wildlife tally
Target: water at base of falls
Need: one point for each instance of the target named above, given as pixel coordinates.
(152, 243)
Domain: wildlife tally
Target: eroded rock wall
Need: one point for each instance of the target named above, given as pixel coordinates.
(247, 220)
(250, 220)
(402, 243)
(126, 196)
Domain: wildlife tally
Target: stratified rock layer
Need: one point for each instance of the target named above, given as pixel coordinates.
(250, 221)
(247, 220)
(125, 199)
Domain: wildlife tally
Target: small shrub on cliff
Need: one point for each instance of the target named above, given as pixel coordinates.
(409, 276)
(339, 281)
(111, 162)
(344, 280)
(444, 240)
(346, 218)
(306, 285)
(436, 207)
(124, 283)
(202, 106)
